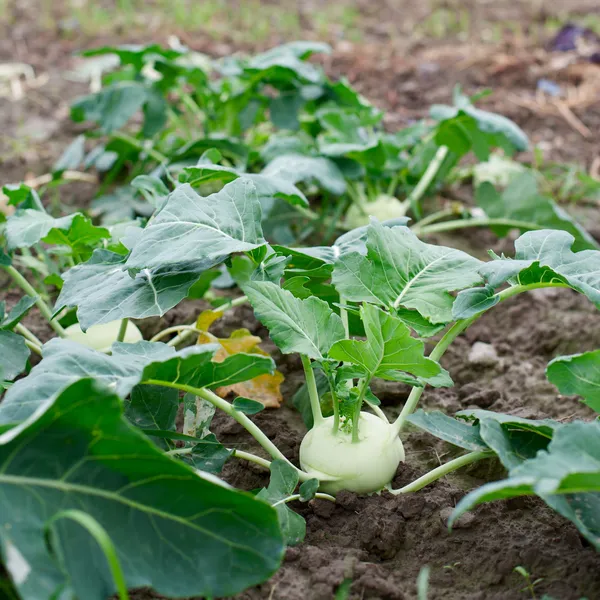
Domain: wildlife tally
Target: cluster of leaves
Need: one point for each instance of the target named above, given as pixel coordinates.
(226, 159)
(278, 119)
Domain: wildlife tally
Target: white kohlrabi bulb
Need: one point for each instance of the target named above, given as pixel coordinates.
(101, 337)
(362, 467)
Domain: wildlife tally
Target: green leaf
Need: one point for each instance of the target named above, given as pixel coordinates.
(453, 431)
(487, 122)
(578, 374)
(308, 327)
(566, 476)
(200, 228)
(13, 355)
(512, 444)
(209, 455)
(129, 364)
(193, 366)
(136, 55)
(113, 106)
(308, 490)
(268, 187)
(521, 201)
(98, 463)
(18, 311)
(473, 301)
(153, 407)
(401, 271)
(543, 427)
(73, 155)
(543, 256)
(28, 227)
(284, 479)
(296, 167)
(247, 405)
(103, 290)
(22, 195)
(152, 188)
(389, 350)
(64, 362)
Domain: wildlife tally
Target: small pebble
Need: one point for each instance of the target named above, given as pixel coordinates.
(483, 354)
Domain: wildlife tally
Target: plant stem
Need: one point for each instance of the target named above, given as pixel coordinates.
(20, 328)
(128, 139)
(297, 497)
(122, 330)
(377, 410)
(30, 291)
(174, 329)
(240, 417)
(103, 540)
(263, 462)
(451, 335)
(191, 105)
(359, 402)
(432, 218)
(430, 173)
(313, 392)
(34, 347)
(442, 470)
(462, 223)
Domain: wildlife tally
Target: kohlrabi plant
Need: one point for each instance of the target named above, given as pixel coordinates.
(316, 146)
(91, 447)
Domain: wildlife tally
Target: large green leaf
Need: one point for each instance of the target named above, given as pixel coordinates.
(450, 430)
(28, 227)
(543, 256)
(173, 530)
(566, 476)
(198, 228)
(308, 327)
(522, 201)
(389, 350)
(64, 362)
(578, 374)
(13, 355)
(296, 167)
(402, 271)
(103, 290)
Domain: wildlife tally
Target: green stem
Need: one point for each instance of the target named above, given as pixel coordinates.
(103, 540)
(263, 462)
(426, 180)
(293, 497)
(335, 403)
(174, 329)
(30, 291)
(356, 418)
(442, 470)
(33, 347)
(451, 335)
(20, 328)
(432, 218)
(240, 417)
(122, 330)
(463, 223)
(128, 139)
(313, 392)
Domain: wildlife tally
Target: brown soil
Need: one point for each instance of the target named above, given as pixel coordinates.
(381, 542)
